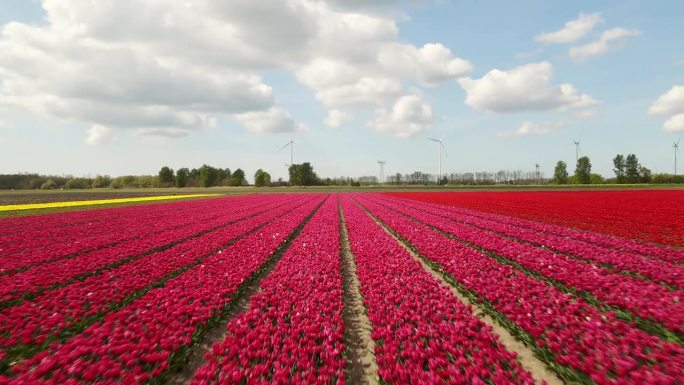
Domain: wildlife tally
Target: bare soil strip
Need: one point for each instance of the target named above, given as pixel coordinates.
(216, 331)
(361, 365)
(539, 371)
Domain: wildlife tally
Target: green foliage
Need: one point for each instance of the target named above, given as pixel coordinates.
(583, 170)
(48, 185)
(237, 178)
(560, 173)
(166, 177)
(667, 178)
(596, 179)
(135, 181)
(303, 175)
(208, 176)
(182, 177)
(102, 181)
(632, 169)
(619, 170)
(77, 183)
(262, 178)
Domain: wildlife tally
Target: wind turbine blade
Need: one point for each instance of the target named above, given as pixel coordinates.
(444, 149)
(285, 146)
(678, 139)
(433, 139)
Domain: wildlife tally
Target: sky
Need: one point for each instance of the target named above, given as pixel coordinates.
(124, 87)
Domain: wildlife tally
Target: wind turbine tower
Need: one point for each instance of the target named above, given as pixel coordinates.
(536, 165)
(291, 144)
(577, 150)
(382, 171)
(441, 148)
(675, 145)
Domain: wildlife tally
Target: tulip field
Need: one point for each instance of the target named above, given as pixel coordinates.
(321, 288)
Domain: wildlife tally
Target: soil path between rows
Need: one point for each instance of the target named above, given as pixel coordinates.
(526, 357)
(360, 347)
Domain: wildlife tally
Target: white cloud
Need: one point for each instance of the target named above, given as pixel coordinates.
(176, 66)
(675, 123)
(670, 104)
(573, 30)
(337, 118)
(409, 116)
(430, 64)
(527, 87)
(586, 114)
(98, 134)
(529, 128)
(602, 45)
(275, 120)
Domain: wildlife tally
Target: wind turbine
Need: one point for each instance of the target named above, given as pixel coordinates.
(675, 145)
(577, 150)
(291, 144)
(536, 165)
(382, 170)
(441, 148)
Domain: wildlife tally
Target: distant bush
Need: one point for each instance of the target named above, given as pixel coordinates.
(77, 183)
(667, 178)
(48, 185)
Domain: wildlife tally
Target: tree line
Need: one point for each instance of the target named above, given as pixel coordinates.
(627, 169)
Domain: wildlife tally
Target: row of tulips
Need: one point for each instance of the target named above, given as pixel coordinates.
(151, 336)
(423, 333)
(644, 299)
(564, 209)
(65, 226)
(576, 340)
(21, 255)
(624, 261)
(66, 311)
(27, 283)
(293, 330)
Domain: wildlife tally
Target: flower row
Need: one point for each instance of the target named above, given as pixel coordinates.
(293, 330)
(563, 328)
(652, 216)
(16, 286)
(423, 333)
(544, 236)
(83, 302)
(148, 337)
(50, 244)
(643, 298)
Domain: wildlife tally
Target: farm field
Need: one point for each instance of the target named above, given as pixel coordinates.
(577, 287)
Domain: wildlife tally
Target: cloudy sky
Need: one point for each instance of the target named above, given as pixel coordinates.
(126, 86)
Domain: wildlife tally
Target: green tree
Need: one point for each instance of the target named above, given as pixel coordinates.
(237, 178)
(644, 175)
(166, 177)
(182, 176)
(583, 170)
(49, 185)
(262, 178)
(102, 181)
(560, 173)
(302, 175)
(208, 176)
(632, 169)
(619, 170)
(76, 183)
